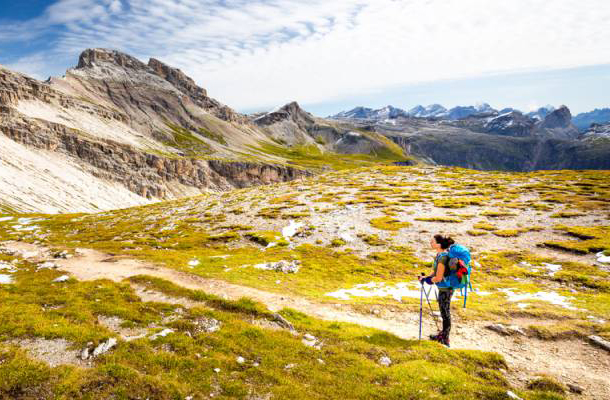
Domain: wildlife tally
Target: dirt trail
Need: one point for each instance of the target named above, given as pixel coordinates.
(570, 361)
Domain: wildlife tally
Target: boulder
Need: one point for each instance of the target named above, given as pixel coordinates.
(507, 330)
(600, 342)
(385, 361)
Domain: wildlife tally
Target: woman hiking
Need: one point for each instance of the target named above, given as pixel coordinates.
(441, 243)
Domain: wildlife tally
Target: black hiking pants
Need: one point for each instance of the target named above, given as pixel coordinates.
(444, 303)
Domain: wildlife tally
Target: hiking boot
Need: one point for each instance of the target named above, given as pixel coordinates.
(444, 341)
(437, 337)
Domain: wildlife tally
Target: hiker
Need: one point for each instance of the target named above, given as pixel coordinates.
(441, 243)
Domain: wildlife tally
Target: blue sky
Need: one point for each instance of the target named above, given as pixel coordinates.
(333, 55)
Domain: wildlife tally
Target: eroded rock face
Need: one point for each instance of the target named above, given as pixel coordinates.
(149, 175)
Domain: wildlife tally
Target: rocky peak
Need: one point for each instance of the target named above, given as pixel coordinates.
(92, 57)
(177, 78)
(289, 112)
(558, 124)
(560, 118)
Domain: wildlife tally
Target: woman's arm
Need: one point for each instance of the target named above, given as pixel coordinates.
(440, 271)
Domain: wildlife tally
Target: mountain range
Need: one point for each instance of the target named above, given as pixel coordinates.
(436, 111)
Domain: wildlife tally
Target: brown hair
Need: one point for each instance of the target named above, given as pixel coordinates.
(444, 241)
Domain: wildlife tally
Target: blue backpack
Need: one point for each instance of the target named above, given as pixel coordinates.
(457, 273)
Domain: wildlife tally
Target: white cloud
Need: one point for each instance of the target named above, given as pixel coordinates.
(35, 65)
(260, 53)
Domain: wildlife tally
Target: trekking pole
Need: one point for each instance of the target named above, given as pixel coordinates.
(421, 305)
(434, 317)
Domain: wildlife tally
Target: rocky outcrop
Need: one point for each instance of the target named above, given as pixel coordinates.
(510, 124)
(290, 112)
(197, 94)
(557, 125)
(148, 175)
(145, 90)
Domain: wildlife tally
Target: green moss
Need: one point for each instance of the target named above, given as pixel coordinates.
(184, 140)
(497, 214)
(485, 226)
(372, 240)
(546, 384)
(312, 157)
(388, 223)
(337, 242)
(507, 232)
(217, 137)
(594, 239)
(567, 214)
(473, 232)
(460, 202)
(451, 220)
(266, 237)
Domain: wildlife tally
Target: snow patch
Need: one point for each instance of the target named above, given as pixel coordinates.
(6, 279)
(551, 297)
(380, 289)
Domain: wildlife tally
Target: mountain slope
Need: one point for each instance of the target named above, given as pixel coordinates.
(126, 126)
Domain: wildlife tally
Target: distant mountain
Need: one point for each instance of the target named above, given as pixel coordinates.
(354, 113)
(541, 113)
(387, 112)
(598, 116)
(461, 112)
(431, 111)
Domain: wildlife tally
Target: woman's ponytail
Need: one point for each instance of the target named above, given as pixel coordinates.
(444, 241)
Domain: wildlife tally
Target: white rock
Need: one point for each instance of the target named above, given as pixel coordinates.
(104, 347)
(46, 265)
(193, 263)
(163, 333)
(240, 360)
(346, 237)
(513, 395)
(7, 267)
(217, 370)
(385, 361)
(603, 258)
(84, 355)
(289, 366)
(287, 267)
(292, 229)
(507, 330)
(62, 278)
